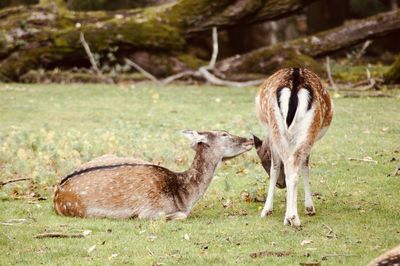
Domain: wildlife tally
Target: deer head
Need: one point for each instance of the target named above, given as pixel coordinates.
(221, 143)
(263, 149)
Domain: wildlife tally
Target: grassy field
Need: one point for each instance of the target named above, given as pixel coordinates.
(47, 130)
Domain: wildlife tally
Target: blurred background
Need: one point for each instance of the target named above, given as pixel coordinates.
(131, 40)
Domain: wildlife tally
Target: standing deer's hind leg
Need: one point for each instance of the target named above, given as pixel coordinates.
(291, 215)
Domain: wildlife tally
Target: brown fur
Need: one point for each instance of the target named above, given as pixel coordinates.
(264, 153)
(286, 143)
(125, 187)
(321, 101)
(389, 258)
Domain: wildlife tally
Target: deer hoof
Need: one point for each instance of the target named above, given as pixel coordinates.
(292, 220)
(310, 211)
(266, 213)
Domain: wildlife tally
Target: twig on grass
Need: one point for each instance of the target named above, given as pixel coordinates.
(377, 94)
(330, 233)
(396, 171)
(63, 235)
(150, 252)
(324, 257)
(14, 222)
(267, 253)
(365, 159)
(312, 263)
(13, 181)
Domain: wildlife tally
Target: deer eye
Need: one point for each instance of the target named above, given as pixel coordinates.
(224, 134)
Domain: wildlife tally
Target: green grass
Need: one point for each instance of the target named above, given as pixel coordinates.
(47, 130)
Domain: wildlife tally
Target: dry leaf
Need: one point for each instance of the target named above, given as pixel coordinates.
(306, 242)
(227, 204)
(186, 237)
(270, 254)
(152, 237)
(113, 256)
(245, 196)
(91, 249)
(86, 232)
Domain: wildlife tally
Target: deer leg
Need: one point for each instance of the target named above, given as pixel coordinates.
(275, 172)
(176, 216)
(292, 177)
(308, 202)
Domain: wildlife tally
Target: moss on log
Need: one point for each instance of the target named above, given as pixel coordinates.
(392, 76)
(45, 36)
(301, 52)
(266, 61)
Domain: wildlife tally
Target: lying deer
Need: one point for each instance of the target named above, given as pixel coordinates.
(126, 188)
(389, 258)
(296, 111)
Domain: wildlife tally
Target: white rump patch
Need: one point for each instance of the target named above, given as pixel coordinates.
(284, 102)
(303, 101)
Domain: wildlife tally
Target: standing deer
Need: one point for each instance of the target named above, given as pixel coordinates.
(296, 111)
(126, 188)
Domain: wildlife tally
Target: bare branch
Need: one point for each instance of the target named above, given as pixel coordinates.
(328, 70)
(14, 222)
(13, 181)
(92, 60)
(396, 171)
(214, 55)
(330, 233)
(63, 235)
(141, 70)
(178, 76)
(363, 48)
(207, 75)
(337, 255)
(366, 159)
(217, 81)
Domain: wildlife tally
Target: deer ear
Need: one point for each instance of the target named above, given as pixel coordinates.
(257, 142)
(194, 136)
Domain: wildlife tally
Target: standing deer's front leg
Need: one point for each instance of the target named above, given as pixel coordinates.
(275, 172)
(308, 202)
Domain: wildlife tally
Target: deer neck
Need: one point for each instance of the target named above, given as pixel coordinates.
(198, 177)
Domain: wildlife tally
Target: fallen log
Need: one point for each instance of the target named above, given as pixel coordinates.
(392, 76)
(45, 36)
(301, 51)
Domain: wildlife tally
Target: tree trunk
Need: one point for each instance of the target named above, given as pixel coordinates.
(47, 36)
(392, 76)
(301, 52)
